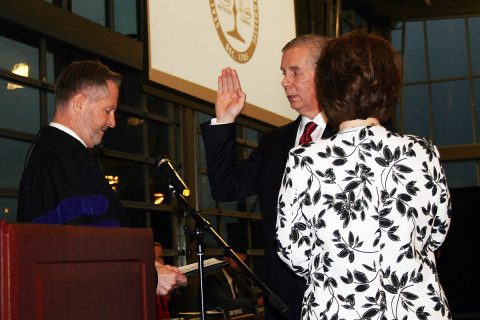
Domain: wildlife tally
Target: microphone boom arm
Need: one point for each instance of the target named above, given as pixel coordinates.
(206, 225)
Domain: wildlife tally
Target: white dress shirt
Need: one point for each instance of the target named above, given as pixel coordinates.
(68, 131)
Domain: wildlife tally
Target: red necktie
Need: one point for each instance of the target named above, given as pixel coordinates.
(306, 136)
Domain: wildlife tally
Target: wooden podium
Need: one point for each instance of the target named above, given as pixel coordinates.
(68, 272)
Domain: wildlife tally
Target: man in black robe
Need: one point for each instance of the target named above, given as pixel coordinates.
(62, 183)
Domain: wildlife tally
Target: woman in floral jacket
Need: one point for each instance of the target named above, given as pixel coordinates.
(360, 214)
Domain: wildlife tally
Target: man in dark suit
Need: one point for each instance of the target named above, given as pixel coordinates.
(230, 290)
(262, 172)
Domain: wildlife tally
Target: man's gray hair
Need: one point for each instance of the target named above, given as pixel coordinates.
(314, 42)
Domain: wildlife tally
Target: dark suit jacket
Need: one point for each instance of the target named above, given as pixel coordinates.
(218, 293)
(260, 174)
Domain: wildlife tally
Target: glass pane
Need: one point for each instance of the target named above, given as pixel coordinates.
(234, 231)
(93, 10)
(414, 52)
(396, 38)
(126, 17)
(233, 205)
(202, 158)
(447, 48)
(50, 106)
(12, 161)
(18, 58)
(159, 137)
(415, 111)
(474, 33)
(128, 176)
(452, 114)
(205, 196)
(50, 68)
(130, 94)
(209, 241)
(19, 107)
(126, 136)
(252, 135)
(460, 173)
(8, 209)
(203, 117)
(476, 85)
(159, 106)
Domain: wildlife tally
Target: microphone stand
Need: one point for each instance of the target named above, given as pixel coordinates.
(202, 225)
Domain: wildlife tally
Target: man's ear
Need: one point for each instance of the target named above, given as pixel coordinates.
(78, 102)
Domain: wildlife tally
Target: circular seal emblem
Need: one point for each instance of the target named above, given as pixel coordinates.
(236, 22)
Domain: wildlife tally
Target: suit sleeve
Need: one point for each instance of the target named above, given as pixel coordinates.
(229, 179)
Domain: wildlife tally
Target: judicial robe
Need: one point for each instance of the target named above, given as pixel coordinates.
(62, 184)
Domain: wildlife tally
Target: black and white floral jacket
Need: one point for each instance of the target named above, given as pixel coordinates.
(359, 216)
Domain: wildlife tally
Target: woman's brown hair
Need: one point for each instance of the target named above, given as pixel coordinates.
(358, 76)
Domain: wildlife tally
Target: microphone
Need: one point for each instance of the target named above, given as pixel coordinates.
(165, 165)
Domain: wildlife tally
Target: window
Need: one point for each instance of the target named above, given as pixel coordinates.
(20, 107)
(12, 161)
(125, 22)
(119, 15)
(91, 9)
(146, 126)
(440, 97)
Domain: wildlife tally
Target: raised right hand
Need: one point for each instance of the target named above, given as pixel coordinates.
(230, 97)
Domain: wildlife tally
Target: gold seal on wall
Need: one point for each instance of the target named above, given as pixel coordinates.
(236, 22)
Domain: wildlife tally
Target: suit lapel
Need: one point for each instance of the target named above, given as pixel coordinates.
(290, 135)
(328, 132)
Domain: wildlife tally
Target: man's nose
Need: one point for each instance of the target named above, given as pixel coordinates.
(285, 81)
(111, 120)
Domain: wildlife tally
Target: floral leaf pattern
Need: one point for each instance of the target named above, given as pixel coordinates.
(359, 216)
